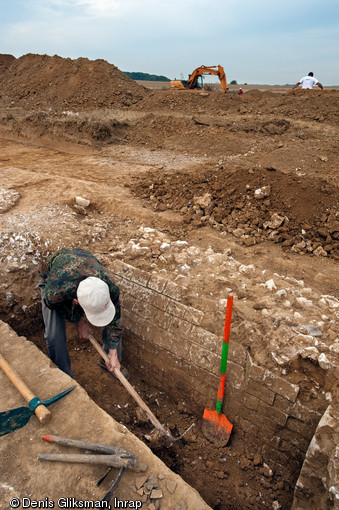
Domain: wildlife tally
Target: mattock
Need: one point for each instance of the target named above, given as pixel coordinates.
(16, 418)
(168, 438)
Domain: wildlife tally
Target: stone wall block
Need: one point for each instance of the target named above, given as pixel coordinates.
(296, 440)
(156, 283)
(180, 328)
(126, 286)
(166, 341)
(255, 372)
(281, 386)
(305, 414)
(274, 438)
(176, 309)
(133, 324)
(275, 383)
(267, 427)
(131, 273)
(283, 404)
(292, 450)
(158, 300)
(162, 319)
(118, 280)
(235, 376)
(299, 426)
(127, 301)
(138, 307)
(232, 407)
(248, 426)
(204, 359)
(250, 401)
(237, 353)
(250, 416)
(118, 266)
(194, 316)
(140, 277)
(207, 340)
(144, 309)
(272, 413)
(122, 268)
(174, 291)
(141, 292)
(259, 391)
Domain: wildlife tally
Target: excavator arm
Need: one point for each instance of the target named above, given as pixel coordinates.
(212, 70)
(200, 71)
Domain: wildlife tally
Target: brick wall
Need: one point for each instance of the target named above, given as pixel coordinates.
(170, 343)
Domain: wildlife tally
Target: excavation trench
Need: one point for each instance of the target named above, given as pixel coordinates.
(250, 471)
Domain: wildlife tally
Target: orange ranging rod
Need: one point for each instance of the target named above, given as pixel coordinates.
(215, 425)
(221, 389)
(224, 354)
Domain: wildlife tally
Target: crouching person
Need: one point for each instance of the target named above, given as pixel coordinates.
(75, 285)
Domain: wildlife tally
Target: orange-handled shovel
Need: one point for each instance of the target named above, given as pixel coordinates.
(215, 426)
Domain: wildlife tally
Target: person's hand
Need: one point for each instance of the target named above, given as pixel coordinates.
(113, 360)
(83, 329)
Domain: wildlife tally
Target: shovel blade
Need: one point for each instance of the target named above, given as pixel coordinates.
(14, 419)
(216, 427)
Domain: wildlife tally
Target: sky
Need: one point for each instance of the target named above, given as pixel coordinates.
(256, 41)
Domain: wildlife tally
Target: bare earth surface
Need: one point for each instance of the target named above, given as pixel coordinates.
(179, 183)
(45, 484)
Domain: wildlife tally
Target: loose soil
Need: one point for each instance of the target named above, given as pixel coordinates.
(177, 180)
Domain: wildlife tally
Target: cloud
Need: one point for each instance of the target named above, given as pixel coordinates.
(263, 41)
(81, 8)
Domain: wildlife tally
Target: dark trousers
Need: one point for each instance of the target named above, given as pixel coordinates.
(55, 336)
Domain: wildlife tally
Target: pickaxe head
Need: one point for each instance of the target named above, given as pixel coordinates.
(16, 418)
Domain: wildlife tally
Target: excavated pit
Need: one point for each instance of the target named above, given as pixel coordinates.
(249, 471)
(233, 477)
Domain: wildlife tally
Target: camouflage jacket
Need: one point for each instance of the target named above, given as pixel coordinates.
(62, 274)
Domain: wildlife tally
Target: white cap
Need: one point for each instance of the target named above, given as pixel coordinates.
(93, 296)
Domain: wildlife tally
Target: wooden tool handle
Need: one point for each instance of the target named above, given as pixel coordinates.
(106, 460)
(43, 414)
(83, 458)
(85, 445)
(131, 391)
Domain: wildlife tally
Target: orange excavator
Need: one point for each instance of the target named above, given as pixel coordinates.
(195, 79)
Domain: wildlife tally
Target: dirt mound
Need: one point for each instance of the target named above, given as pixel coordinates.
(5, 62)
(318, 105)
(255, 205)
(260, 93)
(193, 101)
(61, 83)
